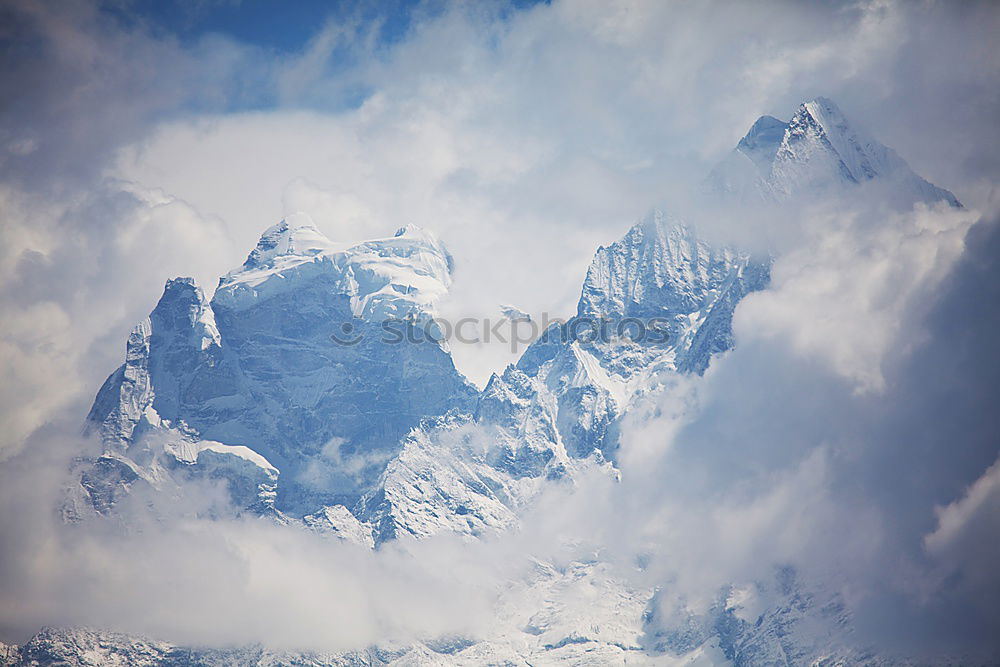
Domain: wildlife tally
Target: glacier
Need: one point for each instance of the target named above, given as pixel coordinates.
(373, 441)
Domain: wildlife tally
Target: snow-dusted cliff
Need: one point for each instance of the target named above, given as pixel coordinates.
(814, 152)
(289, 361)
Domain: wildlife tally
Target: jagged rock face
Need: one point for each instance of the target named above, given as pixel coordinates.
(661, 271)
(333, 404)
(657, 270)
(470, 474)
(556, 413)
(444, 480)
(817, 151)
(258, 368)
(666, 300)
(178, 346)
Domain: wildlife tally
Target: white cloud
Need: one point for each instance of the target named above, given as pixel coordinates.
(843, 292)
(965, 540)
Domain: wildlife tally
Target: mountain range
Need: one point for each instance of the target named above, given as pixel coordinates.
(285, 388)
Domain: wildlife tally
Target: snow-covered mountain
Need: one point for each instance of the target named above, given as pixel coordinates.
(286, 380)
(556, 412)
(818, 149)
(285, 386)
(251, 389)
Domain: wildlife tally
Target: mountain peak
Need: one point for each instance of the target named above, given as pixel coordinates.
(817, 149)
(409, 229)
(821, 121)
(762, 141)
(823, 105)
(764, 128)
(822, 111)
(295, 234)
(181, 284)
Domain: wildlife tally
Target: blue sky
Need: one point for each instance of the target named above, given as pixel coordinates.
(285, 28)
(277, 26)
